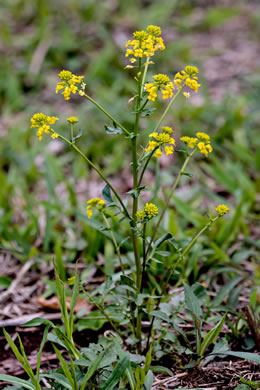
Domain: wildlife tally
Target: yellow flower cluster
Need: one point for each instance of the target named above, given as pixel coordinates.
(222, 209)
(68, 81)
(94, 203)
(42, 122)
(72, 120)
(159, 140)
(144, 43)
(161, 82)
(202, 142)
(147, 213)
(187, 77)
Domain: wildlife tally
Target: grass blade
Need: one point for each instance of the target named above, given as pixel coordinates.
(116, 374)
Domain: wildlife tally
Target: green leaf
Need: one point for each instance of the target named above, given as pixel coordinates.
(44, 338)
(161, 370)
(91, 370)
(59, 378)
(116, 374)
(160, 314)
(129, 372)
(73, 302)
(160, 240)
(225, 290)
(212, 335)
(107, 194)
(192, 301)
(16, 381)
(126, 281)
(39, 321)
(187, 174)
(252, 357)
(64, 366)
(148, 380)
(113, 130)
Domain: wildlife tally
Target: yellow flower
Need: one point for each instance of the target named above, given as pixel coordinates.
(222, 209)
(41, 122)
(97, 203)
(161, 82)
(202, 142)
(149, 211)
(190, 141)
(144, 43)
(187, 77)
(71, 281)
(160, 140)
(204, 148)
(203, 137)
(72, 120)
(68, 81)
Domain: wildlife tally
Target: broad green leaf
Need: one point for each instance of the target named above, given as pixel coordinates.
(129, 372)
(16, 381)
(59, 378)
(161, 370)
(39, 354)
(212, 335)
(160, 314)
(192, 301)
(148, 380)
(107, 194)
(91, 370)
(252, 357)
(116, 374)
(39, 321)
(64, 366)
(160, 240)
(73, 302)
(225, 290)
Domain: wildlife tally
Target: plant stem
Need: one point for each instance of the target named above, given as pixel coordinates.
(135, 180)
(169, 198)
(104, 313)
(167, 109)
(71, 133)
(107, 114)
(98, 171)
(146, 165)
(115, 243)
(144, 257)
(184, 252)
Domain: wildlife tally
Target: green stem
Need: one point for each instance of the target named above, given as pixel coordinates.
(107, 114)
(115, 243)
(144, 257)
(169, 198)
(98, 171)
(184, 252)
(145, 166)
(167, 109)
(71, 133)
(93, 301)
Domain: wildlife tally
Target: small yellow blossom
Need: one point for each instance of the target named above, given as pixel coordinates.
(144, 43)
(67, 83)
(187, 77)
(202, 142)
(149, 211)
(72, 120)
(42, 122)
(161, 83)
(71, 281)
(222, 209)
(203, 137)
(190, 141)
(97, 203)
(161, 140)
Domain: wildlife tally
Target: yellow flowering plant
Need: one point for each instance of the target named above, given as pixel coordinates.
(143, 221)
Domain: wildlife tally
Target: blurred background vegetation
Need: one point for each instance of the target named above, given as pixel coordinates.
(44, 186)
